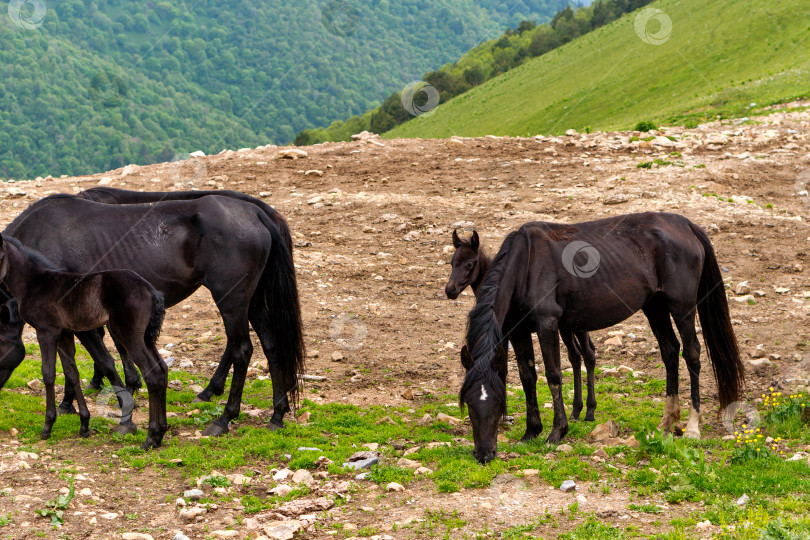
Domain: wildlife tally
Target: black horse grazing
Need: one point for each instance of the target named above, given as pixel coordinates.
(240, 250)
(470, 264)
(561, 278)
(52, 300)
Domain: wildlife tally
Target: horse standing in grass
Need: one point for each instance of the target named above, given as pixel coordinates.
(557, 278)
(236, 246)
(470, 264)
(52, 301)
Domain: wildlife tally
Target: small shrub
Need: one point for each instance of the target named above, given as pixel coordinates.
(646, 125)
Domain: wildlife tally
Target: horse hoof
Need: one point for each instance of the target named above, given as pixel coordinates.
(149, 445)
(70, 409)
(214, 430)
(45, 435)
(126, 428)
(84, 433)
(590, 417)
(201, 399)
(529, 435)
(272, 426)
(692, 434)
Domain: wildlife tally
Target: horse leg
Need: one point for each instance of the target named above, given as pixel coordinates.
(281, 404)
(48, 339)
(131, 375)
(685, 321)
(589, 355)
(524, 354)
(97, 381)
(549, 338)
(155, 375)
(238, 350)
(575, 358)
(658, 316)
(67, 354)
(66, 407)
(93, 341)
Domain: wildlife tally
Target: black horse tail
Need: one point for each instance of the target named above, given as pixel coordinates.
(278, 288)
(155, 319)
(718, 333)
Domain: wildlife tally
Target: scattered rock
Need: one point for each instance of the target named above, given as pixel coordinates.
(313, 172)
(193, 494)
(568, 486)
(564, 448)
(760, 362)
(303, 476)
(337, 356)
(393, 486)
(361, 464)
(447, 418)
(191, 514)
(616, 341)
(408, 394)
(280, 490)
(282, 530)
(408, 463)
(225, 533)
(282, 475)
(422, 471)
(137, 536)
(35, 385)
(745, 499)
(742, 288)
(608, 430)
(292, 153)
(305, 506)
(180, 536)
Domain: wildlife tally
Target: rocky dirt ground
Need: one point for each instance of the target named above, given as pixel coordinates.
(372, 221)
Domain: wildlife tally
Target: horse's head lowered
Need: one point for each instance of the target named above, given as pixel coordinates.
(484, 394)
(465, 266)
(12, 350)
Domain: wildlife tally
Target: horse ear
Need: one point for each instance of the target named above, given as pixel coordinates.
(499, 361)
(466, 358)
(456, 240)
(474, 242)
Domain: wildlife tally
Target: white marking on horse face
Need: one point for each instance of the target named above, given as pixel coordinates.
(484, 394)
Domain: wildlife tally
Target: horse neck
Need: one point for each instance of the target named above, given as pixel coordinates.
(21, 271)
(484, 263)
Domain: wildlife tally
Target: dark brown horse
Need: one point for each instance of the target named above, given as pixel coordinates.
(555, 278)
(52, 301)
(469, 266)
(239, 249)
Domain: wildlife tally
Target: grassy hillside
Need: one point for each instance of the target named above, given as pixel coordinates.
(86, 86)
(720, 57)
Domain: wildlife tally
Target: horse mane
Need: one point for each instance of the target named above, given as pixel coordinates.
(34, 256)
(484, 334)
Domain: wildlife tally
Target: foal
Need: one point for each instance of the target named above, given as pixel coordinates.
(470, 264)
(53, 301)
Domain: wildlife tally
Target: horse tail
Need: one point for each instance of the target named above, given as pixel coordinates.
(278, 288)
(718, 333)
(155, 319)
